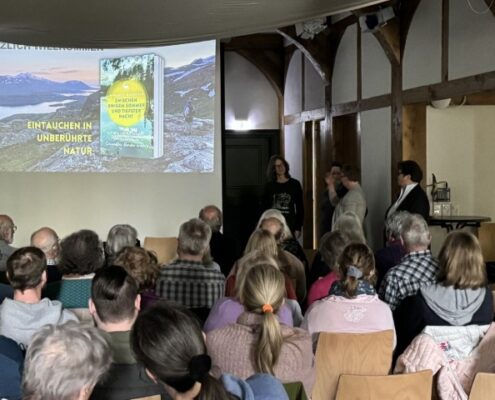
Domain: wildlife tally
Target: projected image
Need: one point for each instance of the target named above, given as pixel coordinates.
(126, 110)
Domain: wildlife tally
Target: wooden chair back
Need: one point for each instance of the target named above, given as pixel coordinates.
(165, 248)
(483, 386)
(155, 397)
(350, 353)
(486, 236)
(416, 386)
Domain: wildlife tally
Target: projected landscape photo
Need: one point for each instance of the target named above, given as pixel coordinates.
(129, 110)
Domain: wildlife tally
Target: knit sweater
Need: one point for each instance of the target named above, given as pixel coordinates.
(231, 349)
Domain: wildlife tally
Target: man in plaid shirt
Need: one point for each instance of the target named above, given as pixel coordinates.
(188, 280)
(417, 268)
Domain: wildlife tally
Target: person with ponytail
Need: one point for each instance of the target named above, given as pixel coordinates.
(168, 341)
(352, 305)
(258, 343)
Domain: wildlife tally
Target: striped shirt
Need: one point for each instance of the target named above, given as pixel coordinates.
(190, 283)
(416, 269)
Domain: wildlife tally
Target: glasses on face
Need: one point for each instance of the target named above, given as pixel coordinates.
(14, 228)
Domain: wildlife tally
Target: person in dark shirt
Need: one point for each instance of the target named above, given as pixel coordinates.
(284, 194)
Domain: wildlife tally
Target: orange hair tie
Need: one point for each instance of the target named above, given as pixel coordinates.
(267, 308)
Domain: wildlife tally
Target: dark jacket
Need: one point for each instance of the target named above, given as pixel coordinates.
(416, 202)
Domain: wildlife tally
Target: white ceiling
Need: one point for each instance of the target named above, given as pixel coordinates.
(136, 23)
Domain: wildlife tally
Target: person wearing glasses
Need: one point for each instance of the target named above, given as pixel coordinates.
(7, 230)
(46, 239)
(412, 197)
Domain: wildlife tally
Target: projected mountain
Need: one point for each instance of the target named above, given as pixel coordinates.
(29, 89)
(195, 82)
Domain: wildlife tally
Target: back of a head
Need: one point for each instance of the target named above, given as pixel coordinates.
(263, 241)
(113, 293)
(46, 239)
(120, 236)
(25, 268)
(461, 262)
(263, 293)
(351, 172)
(415, 233)
(356, 263)
(194, 237)
(141, 264)
(250, 260)
(212, 216)
(268, 221)
(176, 359)
(63, 360)
(393, 224)
(410, 167)
(81, 253)
(331, 246)
(350, 225)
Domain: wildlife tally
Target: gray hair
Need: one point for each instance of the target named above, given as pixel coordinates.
(393, 224)
(274, 213)
(350, 225)
(120, 236)
(332, 244)
(194, 237)
(63, 360)
(415, 232)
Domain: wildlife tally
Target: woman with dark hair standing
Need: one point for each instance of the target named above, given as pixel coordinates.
(168, 341)
(284, 193)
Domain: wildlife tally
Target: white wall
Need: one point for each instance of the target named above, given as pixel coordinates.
(155, 204)
(293, 85)
(314, 90)
(248, 95)
(422, 55)
(344, 81)
(376, 69)
(471, 44)
(375, 170)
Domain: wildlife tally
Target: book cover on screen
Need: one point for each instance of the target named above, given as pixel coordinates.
(131, 106)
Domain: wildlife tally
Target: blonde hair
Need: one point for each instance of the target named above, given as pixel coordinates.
(256, 257)
(265, 287)
(461, 262)
(273, 213)
(360, 256)
(263, 241)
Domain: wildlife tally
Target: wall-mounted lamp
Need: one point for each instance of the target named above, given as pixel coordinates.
(240, 125)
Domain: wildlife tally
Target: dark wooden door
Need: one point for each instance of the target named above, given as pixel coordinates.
(245, 159)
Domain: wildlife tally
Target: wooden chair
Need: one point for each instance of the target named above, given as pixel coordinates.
(417, 386)
(295, 391)
(350, 353)
(486, 236)
(165, 248)
(155, 397)
(483, 387)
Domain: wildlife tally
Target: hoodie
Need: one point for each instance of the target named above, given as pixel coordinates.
(256, 387)
(19, 321)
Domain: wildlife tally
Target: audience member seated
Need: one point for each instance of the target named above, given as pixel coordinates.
(114, 305)
(264, 242)
(64, 362)
(258, 342)
(46, 239)
(331, 246)
(460, 297)
(418, 268)
(227, 309)
(180, 361)
(7, 230)
(11, 365)
(142, 265)
(21, 317)
(352, 305)
(222, 247)
(81, 255)
(274, 221)
(119, 236)
(187, 280)
(390, 255)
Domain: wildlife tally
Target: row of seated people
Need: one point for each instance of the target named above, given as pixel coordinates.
(257, 315)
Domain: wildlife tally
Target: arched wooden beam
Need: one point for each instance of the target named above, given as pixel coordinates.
(316, 51)
(265, 52)
(406, 11)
